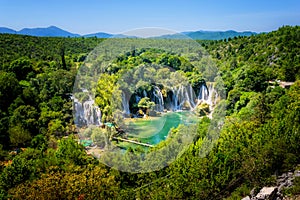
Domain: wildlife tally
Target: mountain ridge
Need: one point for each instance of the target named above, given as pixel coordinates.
(208, 35)
(53, 31)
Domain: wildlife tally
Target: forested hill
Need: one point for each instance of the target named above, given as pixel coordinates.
(46, 49)
(274, 55)
(260, 136)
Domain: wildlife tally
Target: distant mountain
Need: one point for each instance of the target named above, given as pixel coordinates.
(217, 35)
(54, 31)
(107, 35)
(7, 30)
(124, 36)
(208, 35)
(51, 31)
(99, 35)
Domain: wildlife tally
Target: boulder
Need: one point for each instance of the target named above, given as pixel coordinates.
(253, 192)
(267, 193)
(246, 198)
(297, 173)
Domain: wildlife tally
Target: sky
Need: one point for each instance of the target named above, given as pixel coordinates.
(119, 16)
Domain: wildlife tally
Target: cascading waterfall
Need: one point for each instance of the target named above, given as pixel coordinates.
(137, 99)
(203, 93)
(183, 96)
(86, 113)
(159, 100)
(175, 100)
(208, 94)
(125, 104)
(145, 93)
(178, 98)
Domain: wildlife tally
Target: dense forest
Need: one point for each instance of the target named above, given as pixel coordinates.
(259, 138)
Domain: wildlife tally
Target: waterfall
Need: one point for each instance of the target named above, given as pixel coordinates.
(86, 113)
(203, 93)
(192, 99)
(175, 101)
(159, 100)
(125, 104)
(144, 93)
(137, 98)
(182, 97)
(208, 94)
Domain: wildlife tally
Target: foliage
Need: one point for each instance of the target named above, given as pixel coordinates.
(70, 151)
(260, 135)
(19, 136)
(145, 104)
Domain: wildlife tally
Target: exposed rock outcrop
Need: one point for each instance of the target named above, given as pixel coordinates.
(276, 192)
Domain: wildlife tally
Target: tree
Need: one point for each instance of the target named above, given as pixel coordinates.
(9, 89)
(14, 174)
(102, 136)
(19, 136)
(25, 116)
(69, 151)
(56, 128)
(145, 104)
(62, 54)
(94, 182)
(4, 136)
(105, 94)
(39, 142)
(21, 67)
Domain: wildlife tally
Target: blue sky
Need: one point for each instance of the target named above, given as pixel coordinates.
(117, 16)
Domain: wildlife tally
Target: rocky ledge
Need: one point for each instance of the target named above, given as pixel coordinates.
(276, 192)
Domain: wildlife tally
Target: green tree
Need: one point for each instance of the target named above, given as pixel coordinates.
(106, 93)
(19, 137)
(26, 116)
(21, 67)
(16, 173)
(9, 89)
(39, 142)
(145, 104)
(56, 128)
(69, 151)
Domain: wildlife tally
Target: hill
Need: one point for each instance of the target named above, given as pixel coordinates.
(7, 30)
(208, 35)
(217, 35)
(99, 35)
(53, 31)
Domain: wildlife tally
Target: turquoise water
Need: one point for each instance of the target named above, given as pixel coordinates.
(171, 120)
(154, 130)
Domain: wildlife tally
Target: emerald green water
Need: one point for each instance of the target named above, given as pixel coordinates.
(154, 130)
